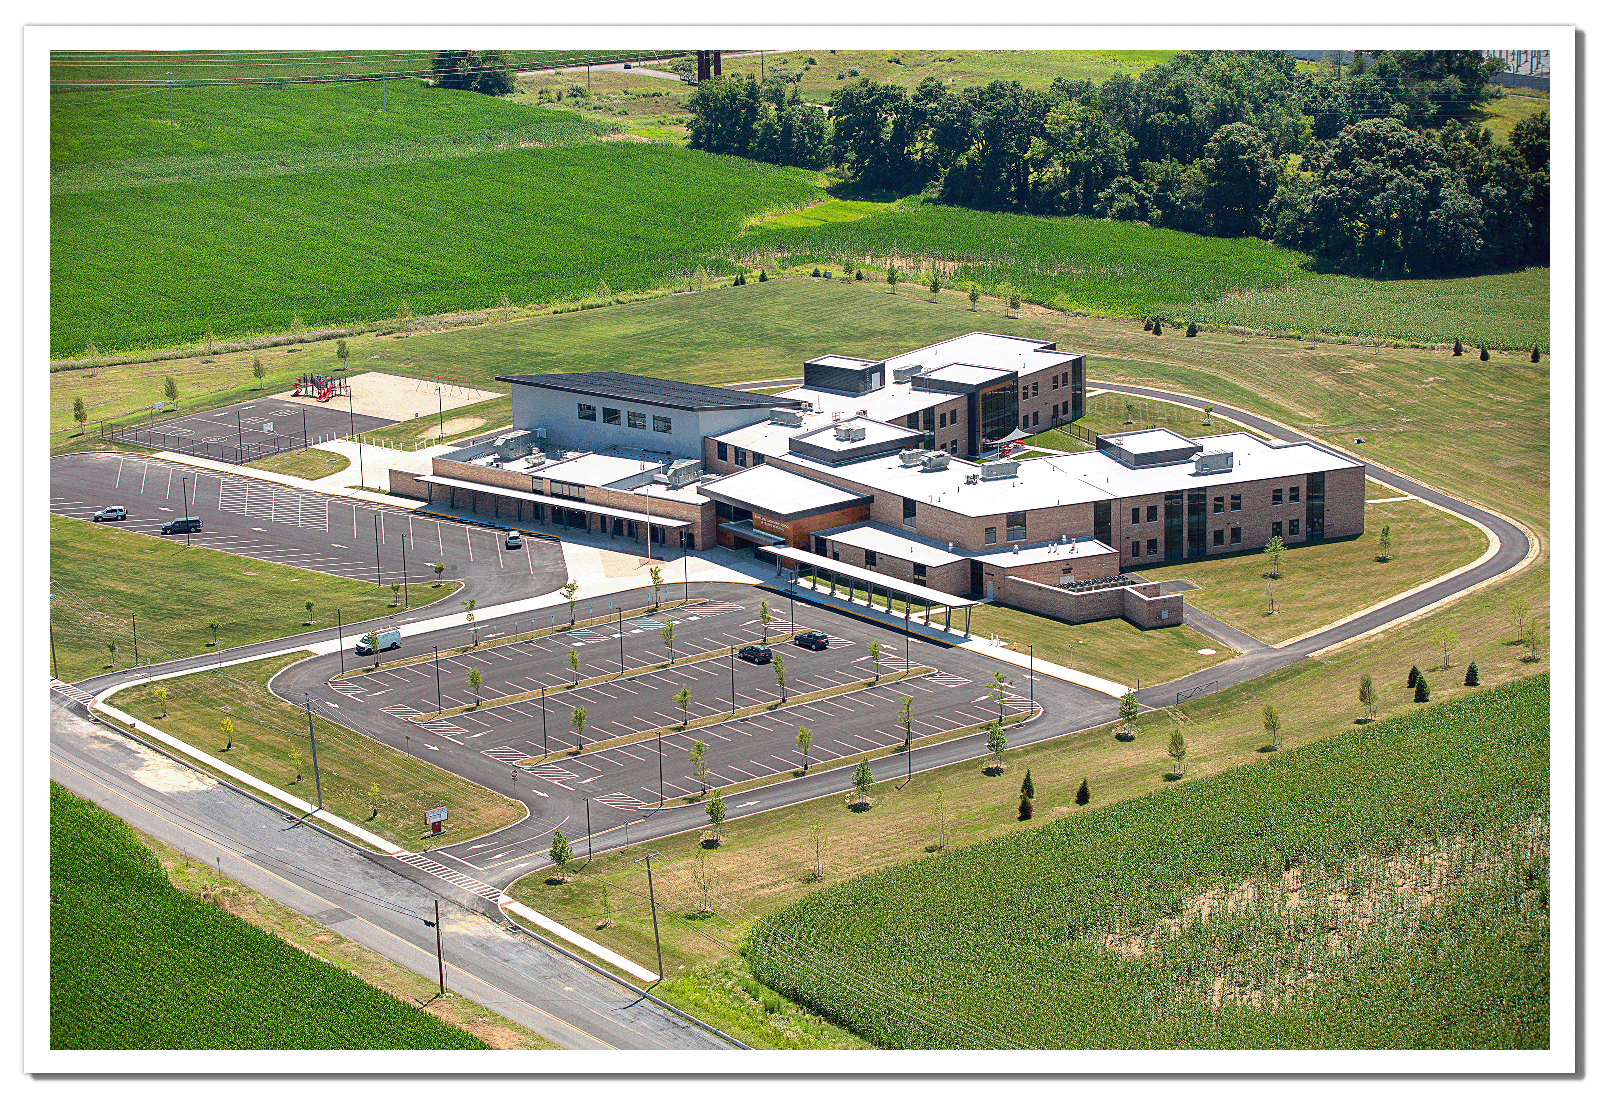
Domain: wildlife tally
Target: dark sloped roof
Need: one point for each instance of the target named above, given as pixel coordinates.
(650, 391)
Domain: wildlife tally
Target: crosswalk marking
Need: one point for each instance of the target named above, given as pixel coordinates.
(554, 773)
(505, 754)
(619, 801)
(454, 878)
(442, 726)
(400, 710)
(71, 691)
(948, 679)
(349, 691)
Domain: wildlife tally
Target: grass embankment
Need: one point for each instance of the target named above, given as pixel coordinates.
(109, 576)
(1321, 583)
(308, 463)
(200, 881)
(1107, 414)
(1387, 888)
(138, 965)
(271, 742)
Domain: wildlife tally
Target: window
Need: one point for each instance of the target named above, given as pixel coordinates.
(566, 489)
(822, 545)
(1294, 494)
(636, 420)
(1277, 497)
(1136, 545)
(908, 513)
(941, 419)
(585, 412)
(756, 458)
(1150, 516)
(919, 572)
(738, 456)
(1216, 537)
(1136, 515)
(911, 420)
(1216, 505)
(1055, 412)
(1016, 526)
(724, 511)
(1235, 502)
(1035, 392)
(612, 416)
(722, 449)
(1277, 529)
(989, 536)
(1035, 418)
(872, 559)
(1150, 548)
(1294, 527)
(1055, 381)
(927, 420)
(1236, 535)
(661, 424)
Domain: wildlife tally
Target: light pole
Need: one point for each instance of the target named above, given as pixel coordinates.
(376, 552)
(437, 686)
(339, 619)
(621, 664)
(686, 575)
(440, 391)
(404, 580)
(1030, 676)
(361, 461)
(649, 878)
(733, 692)
(588, 832)
(544, 722)
(186, 541)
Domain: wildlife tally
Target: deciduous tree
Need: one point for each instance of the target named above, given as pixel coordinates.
(80, 413)
(1177, 748)
(580, 718)
(1127, 713)
(1369, 694)
(782, 681)
(681, 697)
(1271, 723)
(475, 680)
(802, 741)
(1274, 551)
(569, 592)
(560, 854)
(997, 745)
(666, 640)
(717, 811)
(697, 764)
(861, 780)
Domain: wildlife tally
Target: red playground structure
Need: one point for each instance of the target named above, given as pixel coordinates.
(323, 388)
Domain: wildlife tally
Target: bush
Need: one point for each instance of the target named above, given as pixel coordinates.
(860, 277)
(1027, 784)
(1025, 809)
(1421, 695)
(1472, 675)
(1193, 330)
(1483, 354)
(1458, 348)
(1156, 331)
(816, 273)
(1411, 677)
(1147, 324)
(1536, 353)
(1083, 793)
(761, 278)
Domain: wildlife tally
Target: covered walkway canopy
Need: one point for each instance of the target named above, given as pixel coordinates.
(556, 502)
(929, 597)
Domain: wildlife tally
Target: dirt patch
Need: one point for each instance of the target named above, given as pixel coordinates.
(463, 424)
(161, 774)
(623, 137)
(395, 397)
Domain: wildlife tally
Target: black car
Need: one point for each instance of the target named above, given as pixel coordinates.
(756, 654)
(812, 639)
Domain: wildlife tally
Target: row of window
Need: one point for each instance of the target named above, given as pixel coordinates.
(919, 571)
(1234, 535)
(635, 419)
(1235, 503)
(741, 457)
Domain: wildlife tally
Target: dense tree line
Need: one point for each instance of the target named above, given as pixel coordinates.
(1372, 166)
(761, 120)
(485, 71)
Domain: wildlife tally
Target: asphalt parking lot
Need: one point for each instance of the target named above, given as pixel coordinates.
(250, 429)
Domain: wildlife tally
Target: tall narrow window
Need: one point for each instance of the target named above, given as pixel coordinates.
(908, 512)
(1016, 526)
(1294, 494)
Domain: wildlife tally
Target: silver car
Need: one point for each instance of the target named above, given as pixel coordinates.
(106, 515)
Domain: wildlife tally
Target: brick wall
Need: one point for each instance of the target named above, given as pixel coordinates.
(1344, 508)
(484, 475)
(406, 484)
(1140, 604)
(951, 578)
(1084, 567)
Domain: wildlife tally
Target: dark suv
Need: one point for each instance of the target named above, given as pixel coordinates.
(812, 639)
(756, 654)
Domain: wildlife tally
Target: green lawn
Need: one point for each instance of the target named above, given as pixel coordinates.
(109, 576)
(308, 463)
(1323, 582)
(1499, 116)
(138, 965)
(1266, 907)
(268, 733)
(1113, 648)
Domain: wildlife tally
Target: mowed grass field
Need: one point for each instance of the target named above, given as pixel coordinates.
(269, 735)
(1385, 888)
(136, 964)
(108, 576)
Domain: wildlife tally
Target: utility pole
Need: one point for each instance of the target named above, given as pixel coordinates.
(136, 639)
(438, 689)
(622, 665)
(661, 760)
(339, 616)
(305, 436)
(1030, 675)
(53, 659)
(733, 692)
(654, 923)
(686, 576)
(186, 541)
(588, 833)
(438, 942)
(312, 729)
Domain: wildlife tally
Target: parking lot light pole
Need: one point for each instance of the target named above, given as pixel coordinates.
(621, 664)
(305, 438)
(339, 618)
(376, 551)
(136, 639)
(588, 832)
(186, 541)
(733, 692)
(404, 580)
(360, 454)
(1030, 675)
(544, 722)
(437, 687)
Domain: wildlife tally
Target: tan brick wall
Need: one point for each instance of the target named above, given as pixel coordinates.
(406, 484)
(484, 475)
(1084, 568)
(1344, 509)
(951, 578)
(1139, 604)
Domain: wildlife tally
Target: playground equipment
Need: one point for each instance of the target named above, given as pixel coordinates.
(322, 388)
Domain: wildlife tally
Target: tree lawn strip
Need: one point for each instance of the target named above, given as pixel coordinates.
(203, 979)
(177, 590)
(268, 732)
(309, 463)
(1469, 969)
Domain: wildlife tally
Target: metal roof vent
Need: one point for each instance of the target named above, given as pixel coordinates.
(850, 433)
(789, 418)
(994, 471)
(911, 458)
(936, 460)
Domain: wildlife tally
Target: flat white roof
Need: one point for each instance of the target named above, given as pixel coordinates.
(770, 491)
(880, 539)
(985, 349)
(893, 402)
(1147, 440)
(597, 469)
(965, 373)
(1064, 552)
(876, 432)
(555, 502)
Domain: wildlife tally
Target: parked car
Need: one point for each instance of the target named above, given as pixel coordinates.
(627, 64)
(514, 540)
(387, 639)
(756, 654)
(115, 512)
(812, 639)
(183, 526)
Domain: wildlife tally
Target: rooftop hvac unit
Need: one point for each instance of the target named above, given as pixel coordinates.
(993, 471)
(538, 433)
(861, 412)
(903, 374)
(789, 418)
(972, 479)
(555, 454)
(936, 460)
(850, 433)
(683, 472)
(1213, 462)
(911, 458)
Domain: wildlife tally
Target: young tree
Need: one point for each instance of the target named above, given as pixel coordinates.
(1272, 600)
(580, 718)
(697, 764)
(569, 592)
(1025, 809)
(1208, 407)
(573, 661)
(802, 741)
(996, 688)
(214, 627)
(997, 746)
(309, 619)
(560, 854)
(1444, 637)
(701, 874)
(1421, 694)
(1177, 748)
(849, 269)
(1385, 543)
(111, 647)
(1013, 299)
(394, 589)
(815, 833)
(766, 620)
(666, 639)
(161, 697)
(934, 285)
(1274, 550)
(372, 800)
(438, 569)
(472, 616)
(227, 728)
(170, 389)
(299, 764)
(861, 780)
(655, 583)
(1411, 677)
(475, 679)
(1369, 694)
(1483, 354)
(1271, 723)
(1533, 639)
(259, 373)
(342, 350)
(905, 718)
(681, 697)
(1027, 783)
(1458, 349)
(1192, 330)
(1519, 611)
(892, 278)
(717, 811)
(875, 651)
(80, 413)
(1472, 675)
(1127, 712)
(973, 294)
(1127, 408)
(777, 672)
(1082, 796)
